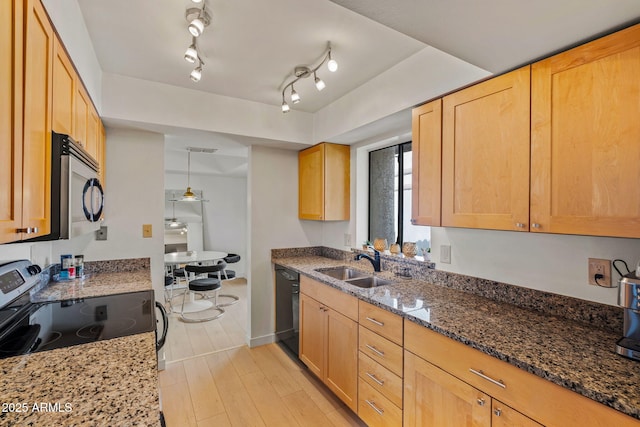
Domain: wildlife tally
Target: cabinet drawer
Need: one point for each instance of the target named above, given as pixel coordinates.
(539, 399)
(375, 409)
(380, 349)
(380, 378)
(380, 321)
(331, 297)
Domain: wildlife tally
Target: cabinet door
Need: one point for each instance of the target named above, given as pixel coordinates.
(427, 164)
(432, 397)
(485, 154)
(504, 416)
(337, 163)
(311, 183)
(102, 155)
(585, 139)
(342, 357)
(10, 120)
(64, 86)
(38, 62)
(311, 339)
(82, 105)
(93, 132)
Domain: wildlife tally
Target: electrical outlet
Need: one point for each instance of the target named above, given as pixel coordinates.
(445, 254)
(147, 230)
(347, 239)
(600, 266)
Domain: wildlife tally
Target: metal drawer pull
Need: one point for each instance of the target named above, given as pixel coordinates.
(375, 350)
(373, 377)
(482, 375)
(498, 412)
(375, 408)
(375, 321)
(480, 401)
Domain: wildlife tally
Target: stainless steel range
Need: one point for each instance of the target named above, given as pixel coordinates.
(27, 327)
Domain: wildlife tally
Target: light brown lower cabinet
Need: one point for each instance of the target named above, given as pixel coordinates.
(447, 383)
(434, 397)
(329, 339)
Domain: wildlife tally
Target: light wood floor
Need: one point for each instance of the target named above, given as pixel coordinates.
(248, 387)
(186, 340)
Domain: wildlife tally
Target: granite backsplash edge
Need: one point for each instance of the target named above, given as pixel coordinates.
(601, 316)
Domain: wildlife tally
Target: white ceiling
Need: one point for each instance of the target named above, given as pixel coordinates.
(251, 46)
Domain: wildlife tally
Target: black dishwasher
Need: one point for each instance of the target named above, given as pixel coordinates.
(287, 305)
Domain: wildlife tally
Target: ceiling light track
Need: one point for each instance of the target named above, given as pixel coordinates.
(198, 19)
(304, 71)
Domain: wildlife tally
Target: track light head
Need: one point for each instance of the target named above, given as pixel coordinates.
(285, 107)
(332, 65)
(196, 74)
(191, 54)
(295, 98)
(319, 83)
(198, 19)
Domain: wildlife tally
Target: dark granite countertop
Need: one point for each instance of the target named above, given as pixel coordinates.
(566, 352)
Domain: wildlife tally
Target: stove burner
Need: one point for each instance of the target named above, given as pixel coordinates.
(53, 337)
(92, 332)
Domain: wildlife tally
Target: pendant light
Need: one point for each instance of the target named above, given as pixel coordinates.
(173, 222)
(189, 196)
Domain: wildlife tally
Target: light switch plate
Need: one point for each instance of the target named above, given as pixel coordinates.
(347, 239)
(147, 231)
(445, 254)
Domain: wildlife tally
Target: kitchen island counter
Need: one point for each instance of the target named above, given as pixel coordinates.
(566, 352)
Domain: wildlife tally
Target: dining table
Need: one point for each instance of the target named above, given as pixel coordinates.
(175, 259)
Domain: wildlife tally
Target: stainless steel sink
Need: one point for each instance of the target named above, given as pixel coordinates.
(369, 282)
(342, 272)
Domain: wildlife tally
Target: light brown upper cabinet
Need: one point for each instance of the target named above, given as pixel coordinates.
(64, 88)
(585, 139)
(485, 154)
(82, 105)
(10, 119)
(323, 186)
(427, 170)
(37, 106)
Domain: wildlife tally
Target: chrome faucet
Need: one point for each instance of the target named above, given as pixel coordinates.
(375, 261)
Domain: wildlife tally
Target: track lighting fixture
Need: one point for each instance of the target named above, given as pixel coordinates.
(198, 19)
(304, 71)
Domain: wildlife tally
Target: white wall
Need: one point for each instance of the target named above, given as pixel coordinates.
(272, 223)
(224, 215)
(134, 195)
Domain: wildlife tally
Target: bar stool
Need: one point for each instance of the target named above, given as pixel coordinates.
(201, 286)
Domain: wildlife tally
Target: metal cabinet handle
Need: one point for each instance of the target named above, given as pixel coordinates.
(519, 225)
(375, 350)
(413, 221)
(373, 377)
(27, 230)
(536, 225)
(480, 401)
(498, 412)
(375, 408)
(491, 380)
(375, 321)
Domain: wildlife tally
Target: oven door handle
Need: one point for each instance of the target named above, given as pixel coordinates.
(165, 326)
